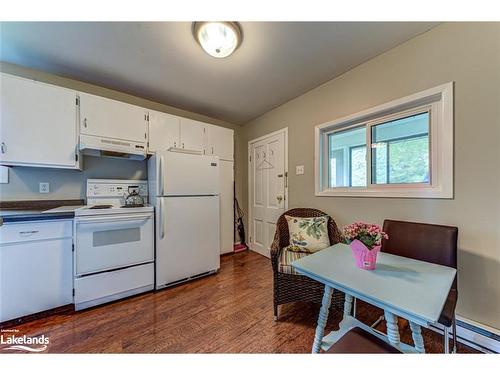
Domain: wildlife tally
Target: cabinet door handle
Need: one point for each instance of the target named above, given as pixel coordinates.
(212, 150)
(182, 144)
(175, 144)
(4, 148)
(85, 122)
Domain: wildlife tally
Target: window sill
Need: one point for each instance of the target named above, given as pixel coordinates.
(389, 192)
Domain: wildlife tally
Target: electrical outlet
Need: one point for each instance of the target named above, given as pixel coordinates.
(44, 187)
(299, 169)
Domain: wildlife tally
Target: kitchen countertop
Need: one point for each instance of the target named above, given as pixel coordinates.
(37, 210)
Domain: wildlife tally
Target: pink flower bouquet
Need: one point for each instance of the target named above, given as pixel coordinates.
(365, 240)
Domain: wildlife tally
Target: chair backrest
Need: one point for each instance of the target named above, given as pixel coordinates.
(282, 236)
(428, 242)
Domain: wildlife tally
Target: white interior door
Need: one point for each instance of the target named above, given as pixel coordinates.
(267, 166)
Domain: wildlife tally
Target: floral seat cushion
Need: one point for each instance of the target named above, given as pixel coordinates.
(308, 234)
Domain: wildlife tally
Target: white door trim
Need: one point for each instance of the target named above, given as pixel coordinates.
(249, 171)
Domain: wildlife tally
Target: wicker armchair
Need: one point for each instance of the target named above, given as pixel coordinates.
(293, 287)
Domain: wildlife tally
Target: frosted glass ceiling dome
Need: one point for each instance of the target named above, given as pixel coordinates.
(218, 39)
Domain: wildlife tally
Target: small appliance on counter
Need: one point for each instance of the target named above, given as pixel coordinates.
(114, 242)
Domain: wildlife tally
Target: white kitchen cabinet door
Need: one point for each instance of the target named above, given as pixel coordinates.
(226, 206)
(220, 142)
(164, 131)
(109, 118)
(35, 276)
(38, 124)
(192, 135)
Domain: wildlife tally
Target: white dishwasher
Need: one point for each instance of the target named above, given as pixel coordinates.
(35, 267)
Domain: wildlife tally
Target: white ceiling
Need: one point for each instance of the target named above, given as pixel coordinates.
(161, 61)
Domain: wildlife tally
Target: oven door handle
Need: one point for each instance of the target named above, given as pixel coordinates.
(114, 218)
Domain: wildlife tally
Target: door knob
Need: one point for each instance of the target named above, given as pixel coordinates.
(279, 198)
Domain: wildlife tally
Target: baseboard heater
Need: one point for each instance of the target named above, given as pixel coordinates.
(474, 336)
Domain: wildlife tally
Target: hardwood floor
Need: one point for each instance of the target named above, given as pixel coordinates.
(230, 312)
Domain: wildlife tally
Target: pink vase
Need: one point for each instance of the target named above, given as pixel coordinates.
(366, 259)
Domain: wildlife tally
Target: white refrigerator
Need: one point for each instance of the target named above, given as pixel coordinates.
(184, 188)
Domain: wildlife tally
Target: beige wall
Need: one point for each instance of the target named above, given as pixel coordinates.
(68, 184)
(469, 55)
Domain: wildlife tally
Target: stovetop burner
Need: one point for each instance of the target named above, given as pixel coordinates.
(100, 206)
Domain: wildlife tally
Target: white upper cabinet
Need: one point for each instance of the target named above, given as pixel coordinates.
(109, 118)
(192, 135)
(164, 131)
(220, 142)
(38, 124)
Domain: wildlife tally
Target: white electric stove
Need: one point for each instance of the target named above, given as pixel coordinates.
(106, 197)
(114, 243)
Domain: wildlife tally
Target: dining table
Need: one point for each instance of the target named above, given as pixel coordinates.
(402, 287)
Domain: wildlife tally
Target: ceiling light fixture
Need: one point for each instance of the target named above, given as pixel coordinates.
(218, 39)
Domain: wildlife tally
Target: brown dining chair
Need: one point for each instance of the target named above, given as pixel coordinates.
(434, 244)
(289, 286)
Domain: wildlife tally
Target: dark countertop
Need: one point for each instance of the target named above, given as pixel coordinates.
(16, 211)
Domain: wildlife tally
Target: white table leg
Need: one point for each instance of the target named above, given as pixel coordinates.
(347, 305)
(392, 328)
(418, 340)
(322, 319)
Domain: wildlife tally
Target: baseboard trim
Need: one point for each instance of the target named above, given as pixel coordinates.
(478, 336)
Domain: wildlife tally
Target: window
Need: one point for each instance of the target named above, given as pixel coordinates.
(410, 143)
(400, 150)
(347, 160)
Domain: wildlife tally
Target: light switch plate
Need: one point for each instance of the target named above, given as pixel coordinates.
(4, 175)
(44, 187)
(299, 169)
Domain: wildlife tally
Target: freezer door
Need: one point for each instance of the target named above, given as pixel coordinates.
(187, 237)
(187, 174)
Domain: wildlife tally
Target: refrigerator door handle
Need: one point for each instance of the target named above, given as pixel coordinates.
(160, 213)
(160, 179)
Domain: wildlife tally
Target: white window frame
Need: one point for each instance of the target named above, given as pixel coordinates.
(438, 101)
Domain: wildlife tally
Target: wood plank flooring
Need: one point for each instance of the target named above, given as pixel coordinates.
(230, 312)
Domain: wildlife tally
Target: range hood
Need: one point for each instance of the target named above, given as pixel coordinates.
(111, 147)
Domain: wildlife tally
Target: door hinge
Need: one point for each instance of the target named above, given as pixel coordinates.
(286, 179)
(76, 157)
(77, 101)
(73, 292)
(148, 116)
(73, 247)
(145, 136)
(250, 158)
(250, 238)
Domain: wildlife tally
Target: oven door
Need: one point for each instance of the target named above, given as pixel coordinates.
(113, 241)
